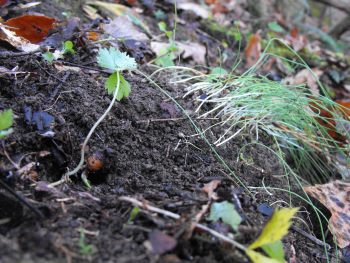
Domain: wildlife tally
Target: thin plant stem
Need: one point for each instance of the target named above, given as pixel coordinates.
(82, 159)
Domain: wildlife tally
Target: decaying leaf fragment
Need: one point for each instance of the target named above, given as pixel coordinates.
(335, 196)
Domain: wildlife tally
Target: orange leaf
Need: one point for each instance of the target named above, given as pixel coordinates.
(31, 27)
(335, 196)
(92, 35)
(253, 52)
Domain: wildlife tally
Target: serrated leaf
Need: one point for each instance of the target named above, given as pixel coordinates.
(256, 257)
(124, 86)
(276, 228)
(115, 60)
(227, 212)
(274, 250)
(48, 56)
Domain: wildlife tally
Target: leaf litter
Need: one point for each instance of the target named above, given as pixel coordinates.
(147, 165)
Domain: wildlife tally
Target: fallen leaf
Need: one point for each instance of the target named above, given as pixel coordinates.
(194, 50)
(253, 52)
(276, 228)
(257, 257)
(63, 68)
(306, 76)
(227, 212)
(161, 242)
(172, 109)
(31, 27)
(122, 28)
(210, 187)
(198, 9)
(335, 196)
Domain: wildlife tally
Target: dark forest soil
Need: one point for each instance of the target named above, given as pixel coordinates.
(159, 162)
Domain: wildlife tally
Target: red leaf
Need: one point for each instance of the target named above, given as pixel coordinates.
(3, 2)
(253, 52)
(31, 27)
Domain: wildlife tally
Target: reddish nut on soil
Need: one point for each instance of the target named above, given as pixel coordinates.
(96, 161)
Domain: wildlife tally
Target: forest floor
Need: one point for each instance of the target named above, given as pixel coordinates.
(146, 156)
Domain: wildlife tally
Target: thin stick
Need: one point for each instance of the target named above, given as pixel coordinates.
(174, 119)
(8, 54)
(176, 216)
(312, 238)
(36, 62)
(24, 201)
(85, 67)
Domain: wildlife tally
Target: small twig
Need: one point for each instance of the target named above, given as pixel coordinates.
(312, 238)
(36, 62)
(85, 67)
(9, 189)
(176, 216)
(229, 177)
(8, 157)
(8, 54)
(175, 119)
(63, 81)
(53, 103)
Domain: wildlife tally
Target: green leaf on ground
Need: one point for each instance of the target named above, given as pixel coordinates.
(274, 250)
(48, 56)
(275, 27)
(276, 228)
(227, 212)
(166, 60)
(6, 120)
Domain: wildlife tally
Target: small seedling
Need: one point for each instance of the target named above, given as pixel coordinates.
(6, 120)
(116, 84)
(67, 47)
(166, 55)
(86, 249)
(133, 214)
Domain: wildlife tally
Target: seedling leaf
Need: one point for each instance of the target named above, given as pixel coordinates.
(67, 47)
(48, 56)
(276, 228)
(162, 26)
(115, 60)
(219, 71)
(124, 87)
(6, 120)
(227, 212)
(166, 60)
(256, 257)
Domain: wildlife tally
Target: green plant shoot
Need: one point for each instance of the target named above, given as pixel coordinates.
(67, 47)
(133, 214)
(85, 249)
(117, 61)
(6, 120)
(166, 55)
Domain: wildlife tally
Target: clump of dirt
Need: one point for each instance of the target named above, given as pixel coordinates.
(146, 156)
